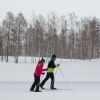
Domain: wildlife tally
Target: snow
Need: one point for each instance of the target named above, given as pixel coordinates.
(75, 80)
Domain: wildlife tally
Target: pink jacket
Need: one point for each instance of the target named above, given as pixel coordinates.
(39, 68)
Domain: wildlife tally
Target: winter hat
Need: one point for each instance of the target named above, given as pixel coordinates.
(53, 56)
(43, 59)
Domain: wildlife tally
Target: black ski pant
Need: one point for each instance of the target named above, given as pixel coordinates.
(51, 76)
(35, 84)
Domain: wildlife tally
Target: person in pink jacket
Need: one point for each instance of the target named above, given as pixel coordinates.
(38, 71)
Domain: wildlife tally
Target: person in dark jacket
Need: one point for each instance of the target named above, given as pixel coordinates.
(50, 74)
(38, 71)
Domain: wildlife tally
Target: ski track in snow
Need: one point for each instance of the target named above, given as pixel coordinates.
(70, 91)
(61, 86)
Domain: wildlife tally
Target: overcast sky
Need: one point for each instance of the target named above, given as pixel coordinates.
(60, 7)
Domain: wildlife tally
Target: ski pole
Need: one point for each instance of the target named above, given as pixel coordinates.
(56, 71)
(64, 77)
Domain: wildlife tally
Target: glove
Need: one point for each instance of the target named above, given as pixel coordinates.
(58, 65)
(43, 73)
(46, 69)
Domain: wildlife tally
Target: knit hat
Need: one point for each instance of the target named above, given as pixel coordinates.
(53, 56)
(43, 59)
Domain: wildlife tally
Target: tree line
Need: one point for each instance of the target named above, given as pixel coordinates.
(66, 36)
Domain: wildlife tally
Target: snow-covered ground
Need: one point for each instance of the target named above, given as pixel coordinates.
(75, 80)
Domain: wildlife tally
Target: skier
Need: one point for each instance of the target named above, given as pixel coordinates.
(38, 71)
(50, 74)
